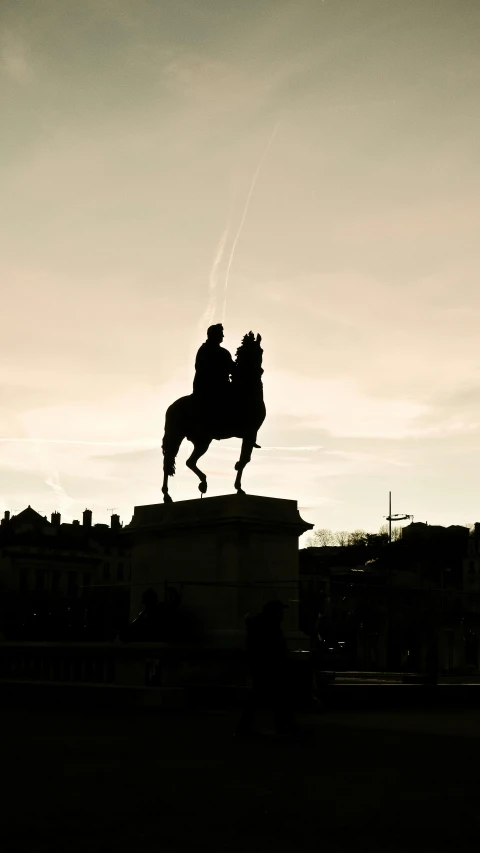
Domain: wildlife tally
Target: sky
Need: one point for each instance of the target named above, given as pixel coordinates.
(306, 170)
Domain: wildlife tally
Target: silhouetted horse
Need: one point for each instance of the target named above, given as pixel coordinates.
(240, 416)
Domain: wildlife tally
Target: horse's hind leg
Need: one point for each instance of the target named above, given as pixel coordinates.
(245, 457)
(199, 448)
(172, 440)
(167, 498)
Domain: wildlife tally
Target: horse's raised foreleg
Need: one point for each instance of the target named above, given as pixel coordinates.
(199, 448)
(245, 456)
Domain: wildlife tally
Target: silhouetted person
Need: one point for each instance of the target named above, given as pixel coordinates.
(213, 365)
(148, 626)
(267, 658)
(159, 621)
(213, 368)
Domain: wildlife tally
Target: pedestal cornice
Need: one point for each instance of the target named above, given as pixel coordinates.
(242, 511)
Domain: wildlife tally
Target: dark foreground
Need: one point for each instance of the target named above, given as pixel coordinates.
(146, 781)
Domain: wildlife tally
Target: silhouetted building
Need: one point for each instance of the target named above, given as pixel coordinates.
(61, 581)
(390, 613)
(471, 599)
(471, 562)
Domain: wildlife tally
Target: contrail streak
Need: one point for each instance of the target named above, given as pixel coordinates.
(209, 312)
(245, 211)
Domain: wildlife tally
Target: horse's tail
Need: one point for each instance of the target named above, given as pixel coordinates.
(172, 438)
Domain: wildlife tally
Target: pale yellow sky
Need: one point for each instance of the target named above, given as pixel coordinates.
(131, 134)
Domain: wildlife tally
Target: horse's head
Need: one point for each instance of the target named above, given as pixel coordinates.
(249, 355)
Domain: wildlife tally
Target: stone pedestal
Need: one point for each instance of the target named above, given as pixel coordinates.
(226, 555)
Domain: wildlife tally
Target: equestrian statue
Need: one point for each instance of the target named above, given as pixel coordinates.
(227, 402)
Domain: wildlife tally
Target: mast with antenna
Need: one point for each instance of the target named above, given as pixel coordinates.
(110, 510)
(396, 517)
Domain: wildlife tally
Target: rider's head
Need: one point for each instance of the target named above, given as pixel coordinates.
(215, 333)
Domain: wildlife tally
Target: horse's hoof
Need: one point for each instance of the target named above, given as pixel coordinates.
(240, 492)
(202, 488)
(167, 499)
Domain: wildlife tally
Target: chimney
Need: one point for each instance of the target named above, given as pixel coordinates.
(55, 519)
(87, 517)
(115, 522)
(76, 523)
(6, 517)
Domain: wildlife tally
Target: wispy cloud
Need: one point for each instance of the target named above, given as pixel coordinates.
(135, 443)
(340, 407)
(213, 84)
(14, 61)
(64, 502)
(358, 263)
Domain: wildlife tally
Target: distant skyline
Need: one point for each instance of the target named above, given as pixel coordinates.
(334, 146)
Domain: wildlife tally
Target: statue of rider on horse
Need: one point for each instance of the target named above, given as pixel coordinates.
(227, 402)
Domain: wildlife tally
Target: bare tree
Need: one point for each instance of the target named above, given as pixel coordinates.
(323, 537)
(320, 538)
(357, 537)
(396, 532)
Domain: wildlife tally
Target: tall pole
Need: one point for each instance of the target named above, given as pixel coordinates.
(389, 518)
